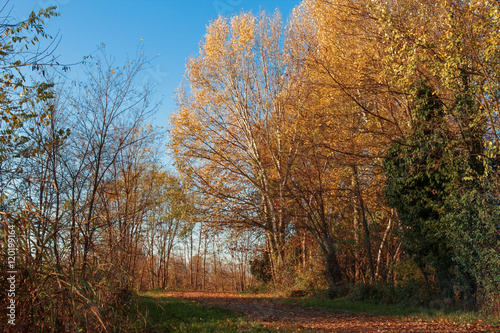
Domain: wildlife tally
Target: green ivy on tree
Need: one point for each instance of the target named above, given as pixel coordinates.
(418, 173)
(441, 182)
(472, 205)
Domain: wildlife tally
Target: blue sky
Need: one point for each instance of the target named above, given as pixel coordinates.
(171, 29)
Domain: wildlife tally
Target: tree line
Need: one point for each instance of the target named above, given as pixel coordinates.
(95, 214)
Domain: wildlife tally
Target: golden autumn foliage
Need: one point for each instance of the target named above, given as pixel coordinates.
(236, 132)
(286, 128)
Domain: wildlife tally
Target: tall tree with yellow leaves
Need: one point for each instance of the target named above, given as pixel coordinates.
(356, 116)
(234, 134)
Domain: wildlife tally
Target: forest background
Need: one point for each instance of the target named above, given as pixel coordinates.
(350, 148)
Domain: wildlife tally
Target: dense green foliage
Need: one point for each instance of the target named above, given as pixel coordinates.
(419, 171)
(473, 218)
(440, 183)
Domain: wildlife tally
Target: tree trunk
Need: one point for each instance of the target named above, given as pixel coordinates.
(332, 265)
(365, 223)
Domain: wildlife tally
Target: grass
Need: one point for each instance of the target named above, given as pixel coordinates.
(357, 307)
(166, 314)
(348, 306)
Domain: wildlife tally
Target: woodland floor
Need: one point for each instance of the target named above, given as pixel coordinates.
(274, 314)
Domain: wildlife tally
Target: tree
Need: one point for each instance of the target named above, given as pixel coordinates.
(419, 171)
(234, 133)
(454, 46)
(472, 204)
(58, 203)
(393, 46)
(345, 126)
(107, 118)
(168, 219)
(18, 96)
(442, 42)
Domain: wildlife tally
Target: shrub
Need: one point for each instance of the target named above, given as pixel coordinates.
(338, 291)
(261, 268)
(412, 293)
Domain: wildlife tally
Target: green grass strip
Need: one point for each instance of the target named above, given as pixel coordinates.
(166, 314)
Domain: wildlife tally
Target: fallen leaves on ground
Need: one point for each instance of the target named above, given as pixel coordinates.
(298, 318)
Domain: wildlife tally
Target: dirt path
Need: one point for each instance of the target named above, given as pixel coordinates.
(275, 314)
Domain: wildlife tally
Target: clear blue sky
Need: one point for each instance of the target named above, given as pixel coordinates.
(170, 28)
